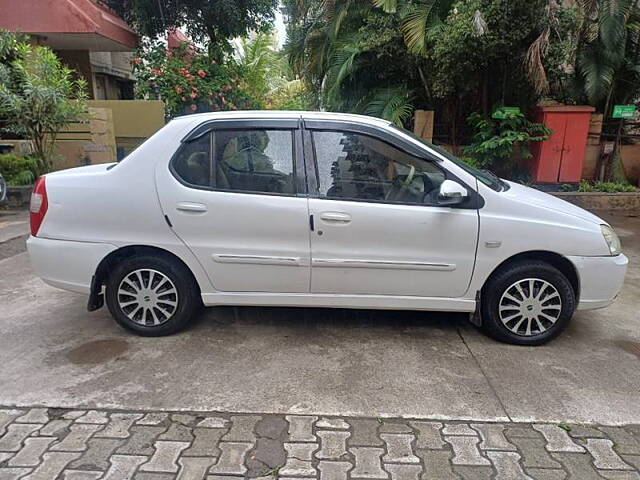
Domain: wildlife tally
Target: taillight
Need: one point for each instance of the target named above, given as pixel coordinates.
(39, 205)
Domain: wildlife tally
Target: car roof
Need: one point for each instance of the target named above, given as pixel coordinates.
(282, 114)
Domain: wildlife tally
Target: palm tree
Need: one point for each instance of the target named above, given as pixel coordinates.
(609, 62)
(393, 104)
(334, 57)
(608, 43)
(420, 18)
(261, 65)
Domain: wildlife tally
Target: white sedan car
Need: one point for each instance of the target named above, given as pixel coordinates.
(316, 210)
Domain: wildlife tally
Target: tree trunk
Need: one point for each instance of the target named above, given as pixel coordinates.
(485, 92)
(454, 124)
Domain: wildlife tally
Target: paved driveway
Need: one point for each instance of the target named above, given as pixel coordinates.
(334, 362)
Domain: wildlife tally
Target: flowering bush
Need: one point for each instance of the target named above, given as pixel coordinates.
(188, 81)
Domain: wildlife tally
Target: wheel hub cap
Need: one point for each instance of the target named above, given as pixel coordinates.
(148, 297)
(530, 307)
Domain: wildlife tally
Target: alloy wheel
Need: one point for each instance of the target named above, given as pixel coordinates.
(147, 297)
(530, 307)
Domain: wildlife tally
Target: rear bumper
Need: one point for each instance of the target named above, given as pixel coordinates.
(601, 279)
(66, 264)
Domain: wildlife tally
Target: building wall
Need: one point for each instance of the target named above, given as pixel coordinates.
(134, 121)
(109, 75)
(113, 63)
(134, 118)
(630, 154)
(112, 130)
(112, 75)
(79, 61)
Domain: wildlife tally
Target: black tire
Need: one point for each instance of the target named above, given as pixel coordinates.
(493, 291)
(188, 297)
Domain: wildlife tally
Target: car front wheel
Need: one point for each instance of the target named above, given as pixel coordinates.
(527, 303)
(151, 295)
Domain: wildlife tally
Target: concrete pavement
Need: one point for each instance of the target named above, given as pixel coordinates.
(13, 224)
(321, 362)
(14, 230)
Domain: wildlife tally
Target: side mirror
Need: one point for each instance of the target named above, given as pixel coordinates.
(451, 193)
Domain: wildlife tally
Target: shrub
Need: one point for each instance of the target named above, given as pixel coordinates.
(606, 187)
(496, 140)
(39, 96)
(471, 161)
(18, 170)
(188, 80)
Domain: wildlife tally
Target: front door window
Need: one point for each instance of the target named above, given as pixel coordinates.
(353, 166)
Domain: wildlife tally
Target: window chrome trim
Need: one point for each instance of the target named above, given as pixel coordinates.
(240, 124)
(382, 264)
(258, 259)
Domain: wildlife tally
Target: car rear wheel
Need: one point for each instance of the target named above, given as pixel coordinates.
(527, 303)
(151, 295)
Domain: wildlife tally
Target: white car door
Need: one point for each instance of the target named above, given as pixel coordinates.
(377, 228)
(234, 193)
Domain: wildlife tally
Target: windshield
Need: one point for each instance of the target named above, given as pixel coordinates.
(487, 177)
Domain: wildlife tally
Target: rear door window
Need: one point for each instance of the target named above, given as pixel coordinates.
(255, 161)
(192, 164)
(242, 160)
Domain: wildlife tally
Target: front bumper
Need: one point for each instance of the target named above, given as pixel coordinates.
(601, 279)
(67, 264)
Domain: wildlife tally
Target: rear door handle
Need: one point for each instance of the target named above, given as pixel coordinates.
(191, 207)
(335, 217)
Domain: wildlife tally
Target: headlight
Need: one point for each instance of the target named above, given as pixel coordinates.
(612, 239)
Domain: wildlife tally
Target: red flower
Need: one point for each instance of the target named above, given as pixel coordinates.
(136, 60)
(201, 73)
(193, 94)
(178, 89)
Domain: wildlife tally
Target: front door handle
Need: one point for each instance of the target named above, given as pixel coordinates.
(335, 217)
(191, 207)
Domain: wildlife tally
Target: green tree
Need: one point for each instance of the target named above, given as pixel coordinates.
(266, 74)
(263, 68)
(353, 56)
(551, 58)
(609, 49)
(212, 22)
(419, 19)
(386, 57)
(39, 96)
(608, 61)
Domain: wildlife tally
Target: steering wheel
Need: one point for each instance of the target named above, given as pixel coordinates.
(412, 173)
(403, 188)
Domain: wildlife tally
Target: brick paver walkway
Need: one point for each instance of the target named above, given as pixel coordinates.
(50, 444)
